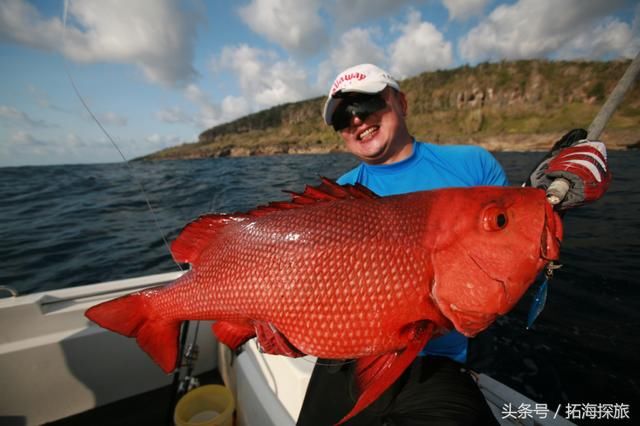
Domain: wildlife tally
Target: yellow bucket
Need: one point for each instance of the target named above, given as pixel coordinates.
(210, 405)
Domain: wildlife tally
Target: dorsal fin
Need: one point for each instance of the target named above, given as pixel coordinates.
(327, 191)
(197, 235)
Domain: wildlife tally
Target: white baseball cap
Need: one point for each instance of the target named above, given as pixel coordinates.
(363, 78)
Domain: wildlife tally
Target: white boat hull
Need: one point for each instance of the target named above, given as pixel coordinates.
(270, 391)
(55, 363)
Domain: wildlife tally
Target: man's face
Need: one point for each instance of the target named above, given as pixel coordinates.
(380, 137)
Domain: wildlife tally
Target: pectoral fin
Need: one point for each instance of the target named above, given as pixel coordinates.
(233, 334)
(272, 341)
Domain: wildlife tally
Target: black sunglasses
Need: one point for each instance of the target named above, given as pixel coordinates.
(359, 105)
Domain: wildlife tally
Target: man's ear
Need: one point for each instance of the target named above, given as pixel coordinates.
(402, 99)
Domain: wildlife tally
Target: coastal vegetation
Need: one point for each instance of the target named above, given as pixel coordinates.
(507, 106)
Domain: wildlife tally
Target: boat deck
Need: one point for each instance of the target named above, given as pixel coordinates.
(149, 408)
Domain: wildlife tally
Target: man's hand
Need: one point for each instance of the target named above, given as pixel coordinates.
(581, 162)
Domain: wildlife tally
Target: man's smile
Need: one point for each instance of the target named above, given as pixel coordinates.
(368, 133)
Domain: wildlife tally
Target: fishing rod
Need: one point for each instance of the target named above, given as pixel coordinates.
(557, 190)
(185, 359)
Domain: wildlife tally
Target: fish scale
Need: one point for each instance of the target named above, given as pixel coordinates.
(310, 276)
(251, 281)
(340, 273)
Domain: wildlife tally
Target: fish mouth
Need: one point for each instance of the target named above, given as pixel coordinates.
(469, 321)
(551, 235)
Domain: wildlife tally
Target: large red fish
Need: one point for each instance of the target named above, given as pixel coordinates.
(340, 273)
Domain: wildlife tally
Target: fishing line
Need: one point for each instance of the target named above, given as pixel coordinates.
(113, 142)
(305, 359)
(329, 364)
(185, 327)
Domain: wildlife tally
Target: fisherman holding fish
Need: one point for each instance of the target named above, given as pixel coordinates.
(341, 273)
(367, 108)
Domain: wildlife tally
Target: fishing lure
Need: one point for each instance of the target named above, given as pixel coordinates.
(540, 298)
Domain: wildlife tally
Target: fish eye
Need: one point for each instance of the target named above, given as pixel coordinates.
(494, 219)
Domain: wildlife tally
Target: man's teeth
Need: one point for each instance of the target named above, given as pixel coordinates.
(368, 132)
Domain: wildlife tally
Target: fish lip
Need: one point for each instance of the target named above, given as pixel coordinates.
(551, 235)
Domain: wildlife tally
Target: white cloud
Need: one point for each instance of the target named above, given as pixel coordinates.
(41, 98)
(421, 47)
(460, 10)
(22, 138)
(21, 22)
(548, 28)
(294, 25)
(196, 95)
(606, 37)
(113, 119)
(156, 35)
(264, 79)
(235, 106)
(210, 114)
(357, 46)
(173, 115)
(23, 147)
(75, 141)
(11, 114)
(156, 142)
(351, 12)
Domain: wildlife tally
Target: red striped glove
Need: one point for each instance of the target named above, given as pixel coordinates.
(582, 162)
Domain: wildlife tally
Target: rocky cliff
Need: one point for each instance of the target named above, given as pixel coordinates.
(522, 105)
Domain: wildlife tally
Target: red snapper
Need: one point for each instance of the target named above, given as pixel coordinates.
(338, 272)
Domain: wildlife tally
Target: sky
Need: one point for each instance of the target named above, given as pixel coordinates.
(156, 73)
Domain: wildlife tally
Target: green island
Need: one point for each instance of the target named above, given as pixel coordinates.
(507, 106)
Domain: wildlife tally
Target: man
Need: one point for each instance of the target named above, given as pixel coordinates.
(366, 107)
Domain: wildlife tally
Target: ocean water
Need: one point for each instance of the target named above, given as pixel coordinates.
(71, 225)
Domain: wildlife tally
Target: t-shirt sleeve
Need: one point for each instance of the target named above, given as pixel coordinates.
(491, 172)
(351, 177)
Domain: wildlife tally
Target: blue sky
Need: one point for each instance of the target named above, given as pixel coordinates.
(156, 73)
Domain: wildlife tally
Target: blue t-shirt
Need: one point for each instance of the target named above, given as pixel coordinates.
(432, 167)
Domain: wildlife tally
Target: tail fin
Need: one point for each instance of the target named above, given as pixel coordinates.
(132, 316)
